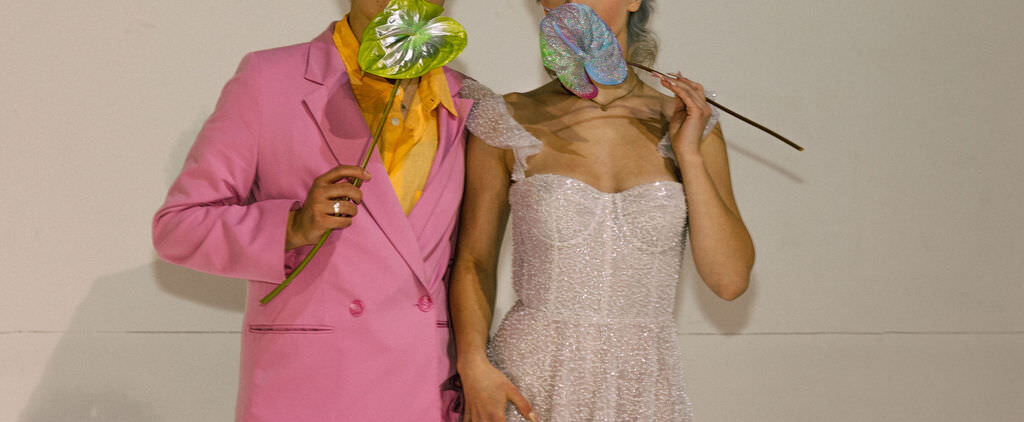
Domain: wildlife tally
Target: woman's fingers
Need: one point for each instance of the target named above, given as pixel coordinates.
(487, 394)
(691, 114)
(681, 94)
(691, 94)
(686, 92)
(699, 95)
(521, 403)
(493, 413)
(684, 104)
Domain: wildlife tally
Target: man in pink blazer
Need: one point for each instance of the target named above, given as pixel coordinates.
(363, 333)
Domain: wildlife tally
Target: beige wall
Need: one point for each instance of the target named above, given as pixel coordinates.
(888, 281)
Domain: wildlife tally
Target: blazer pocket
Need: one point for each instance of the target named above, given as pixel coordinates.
(290, 329)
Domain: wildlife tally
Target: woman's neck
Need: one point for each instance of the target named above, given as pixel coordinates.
(358, 24)
(606, 93)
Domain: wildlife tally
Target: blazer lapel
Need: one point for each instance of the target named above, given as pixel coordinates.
(344, 132)
(381, 202)
(436, 212)
(336, 113)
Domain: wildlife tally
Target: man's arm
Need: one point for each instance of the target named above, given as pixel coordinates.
(208, 221)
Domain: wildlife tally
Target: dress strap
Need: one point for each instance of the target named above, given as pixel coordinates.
(490, 120)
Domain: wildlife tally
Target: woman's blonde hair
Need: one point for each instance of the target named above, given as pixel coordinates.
(641, 41)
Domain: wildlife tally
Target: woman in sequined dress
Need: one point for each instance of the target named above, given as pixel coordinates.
(602, 195)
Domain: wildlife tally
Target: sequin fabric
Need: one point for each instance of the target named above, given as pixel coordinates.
(489, 120)
(592, 336)
(578, 46)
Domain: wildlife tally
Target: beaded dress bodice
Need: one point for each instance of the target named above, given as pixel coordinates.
(592, 335)
(575, 243)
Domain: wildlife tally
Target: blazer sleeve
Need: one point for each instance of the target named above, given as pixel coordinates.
(209, 221)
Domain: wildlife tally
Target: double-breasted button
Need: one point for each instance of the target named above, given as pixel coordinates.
(425, 303)
(356, 308)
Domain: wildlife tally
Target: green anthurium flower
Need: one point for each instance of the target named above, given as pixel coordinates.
(408, 39)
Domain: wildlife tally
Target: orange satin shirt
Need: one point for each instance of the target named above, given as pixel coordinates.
(409, 141)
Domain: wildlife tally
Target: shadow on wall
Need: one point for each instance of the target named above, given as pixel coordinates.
(757, 158)
(153, 343)
(199, 288)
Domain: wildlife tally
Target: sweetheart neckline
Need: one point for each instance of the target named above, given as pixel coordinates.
(596, 190)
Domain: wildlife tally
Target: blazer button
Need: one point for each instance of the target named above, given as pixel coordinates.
(425, 303)
(356, 308)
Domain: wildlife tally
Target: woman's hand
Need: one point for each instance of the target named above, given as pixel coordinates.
(488, 392)
(317, 215)
(691, 114)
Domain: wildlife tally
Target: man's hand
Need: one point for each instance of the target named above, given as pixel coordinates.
(317, 215)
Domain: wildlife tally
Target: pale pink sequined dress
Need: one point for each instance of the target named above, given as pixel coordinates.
(592, 336)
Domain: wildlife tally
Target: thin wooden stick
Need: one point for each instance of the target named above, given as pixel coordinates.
(727, 110)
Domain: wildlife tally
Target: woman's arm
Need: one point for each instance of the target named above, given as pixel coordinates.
(722, 248)
(484, 214)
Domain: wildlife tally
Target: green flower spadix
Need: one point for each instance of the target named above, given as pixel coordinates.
(408, 39)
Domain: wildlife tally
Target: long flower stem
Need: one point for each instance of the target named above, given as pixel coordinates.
(357, 183)
(266, 299)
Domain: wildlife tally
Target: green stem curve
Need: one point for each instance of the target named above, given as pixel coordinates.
(357, 183)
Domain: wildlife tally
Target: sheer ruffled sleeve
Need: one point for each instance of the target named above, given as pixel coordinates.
(490, 121)
(665, 146)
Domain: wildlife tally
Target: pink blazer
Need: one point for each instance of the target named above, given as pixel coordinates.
(363, 333)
